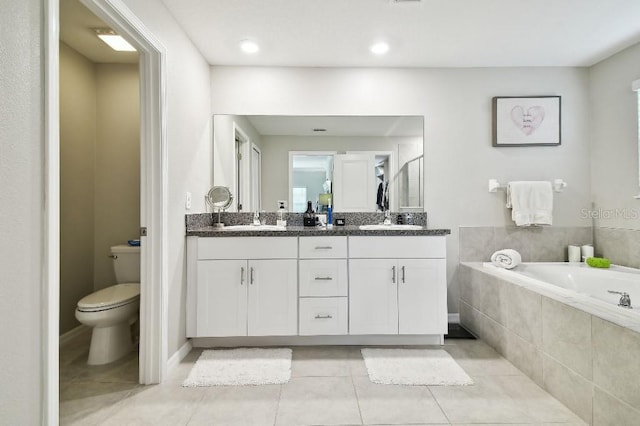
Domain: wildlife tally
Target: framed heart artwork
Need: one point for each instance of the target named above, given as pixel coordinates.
(526, 121)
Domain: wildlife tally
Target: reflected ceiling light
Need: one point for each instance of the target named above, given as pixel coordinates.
(115, 41)
(249, 46)
(379, 48)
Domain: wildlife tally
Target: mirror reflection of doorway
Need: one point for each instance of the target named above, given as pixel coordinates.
(311, 176)
(243, 172)
(256, 173)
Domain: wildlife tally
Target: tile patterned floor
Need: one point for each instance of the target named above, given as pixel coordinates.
(329, 386)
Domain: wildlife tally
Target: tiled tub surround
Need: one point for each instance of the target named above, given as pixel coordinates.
(621, 246)
(585, 357)
(535, 244)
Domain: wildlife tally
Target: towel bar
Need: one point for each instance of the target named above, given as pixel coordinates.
(558, 185)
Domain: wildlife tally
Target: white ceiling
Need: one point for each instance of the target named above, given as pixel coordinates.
(296, 125)
(429, 33)
(77, 25)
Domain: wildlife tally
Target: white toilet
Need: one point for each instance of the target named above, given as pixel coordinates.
(112, 310)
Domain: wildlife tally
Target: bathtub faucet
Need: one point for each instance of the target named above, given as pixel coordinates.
(625, 300)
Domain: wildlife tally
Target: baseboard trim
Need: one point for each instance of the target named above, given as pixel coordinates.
(211, 342)
(178, 356)
(454, 318)
(74, 332)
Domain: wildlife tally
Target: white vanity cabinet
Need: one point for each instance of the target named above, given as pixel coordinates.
(397, 285)
(332, 288)
(243, 286)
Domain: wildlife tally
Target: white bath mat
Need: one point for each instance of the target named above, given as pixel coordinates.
(239, 367)
(414, 367)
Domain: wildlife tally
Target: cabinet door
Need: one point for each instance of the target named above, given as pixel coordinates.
(422, 296)
(373, 296)
(221, 298)
(273, 297)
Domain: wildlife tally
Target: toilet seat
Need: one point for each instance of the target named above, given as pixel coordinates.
(110, 298)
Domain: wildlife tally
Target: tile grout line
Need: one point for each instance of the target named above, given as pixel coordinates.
(275, 419)
(355, 391)
(196, 407)
(439, 406)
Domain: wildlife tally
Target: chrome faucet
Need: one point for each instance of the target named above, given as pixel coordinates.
(387, 217)
(625, 300)
(256, 218)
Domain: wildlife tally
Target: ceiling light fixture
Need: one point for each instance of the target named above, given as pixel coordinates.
(249, 46)
(115, 41)
(379, 48)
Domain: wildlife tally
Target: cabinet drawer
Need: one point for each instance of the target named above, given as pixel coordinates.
(397, 247)
(323, 277)
(247, 248)
(323, 247)
(323, 316)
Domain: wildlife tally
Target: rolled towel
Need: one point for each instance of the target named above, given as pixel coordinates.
(507, 258)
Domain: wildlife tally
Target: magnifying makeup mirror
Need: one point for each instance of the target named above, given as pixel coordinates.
(220, 198)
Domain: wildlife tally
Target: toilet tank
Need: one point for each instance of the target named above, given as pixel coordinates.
(126, 263)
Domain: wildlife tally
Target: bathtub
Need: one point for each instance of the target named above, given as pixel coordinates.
(580, 283)
(557, 323)
(585, 280)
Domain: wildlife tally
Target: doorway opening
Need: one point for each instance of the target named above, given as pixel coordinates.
(153, 196)
(100, 217)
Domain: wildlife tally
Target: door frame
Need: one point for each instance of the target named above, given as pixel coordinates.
(153, 200)
(255, 170)
(241, 168)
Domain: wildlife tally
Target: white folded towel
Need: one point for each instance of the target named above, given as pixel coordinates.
(507, 258)
(531, 202)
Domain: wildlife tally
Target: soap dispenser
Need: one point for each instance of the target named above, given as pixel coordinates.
(309, 217)
(280, 215)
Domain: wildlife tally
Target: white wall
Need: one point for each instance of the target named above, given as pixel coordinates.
(614, 137)
(456, 104)
(117, 165)
(77, 181)
(21, 203)
(189, 147)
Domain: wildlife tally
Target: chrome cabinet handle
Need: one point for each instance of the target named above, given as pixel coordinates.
(251, 278)
(323, 247)
(403, 275)
(393, 276)
(323, 317)
(323, 278)
(241, 275)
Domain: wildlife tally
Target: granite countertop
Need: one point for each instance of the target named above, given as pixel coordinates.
(296, 231)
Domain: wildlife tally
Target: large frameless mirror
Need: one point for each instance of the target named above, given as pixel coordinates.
(355, 163)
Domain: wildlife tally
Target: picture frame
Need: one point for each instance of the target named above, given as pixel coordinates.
(526, 121)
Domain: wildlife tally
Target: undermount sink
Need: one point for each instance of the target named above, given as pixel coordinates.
(254, 228)
(390, 227)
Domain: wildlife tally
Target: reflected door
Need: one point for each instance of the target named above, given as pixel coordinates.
(354, 184)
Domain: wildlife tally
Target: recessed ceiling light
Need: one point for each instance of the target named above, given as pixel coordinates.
(115, 41)
(379, 48)
(249, 46)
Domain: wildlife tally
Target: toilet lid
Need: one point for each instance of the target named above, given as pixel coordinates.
(116, 295)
